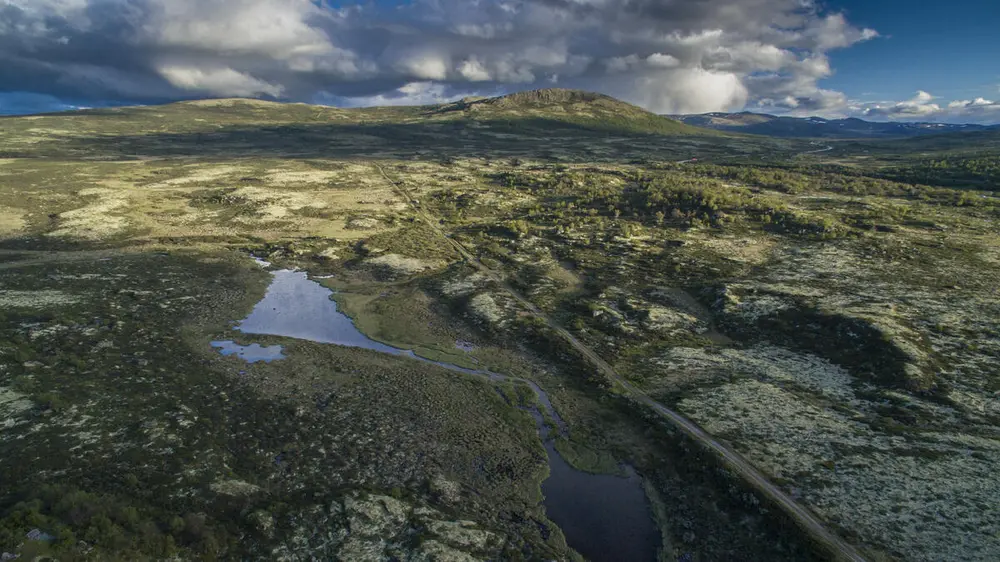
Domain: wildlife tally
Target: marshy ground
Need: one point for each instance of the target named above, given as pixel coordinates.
(833, 320)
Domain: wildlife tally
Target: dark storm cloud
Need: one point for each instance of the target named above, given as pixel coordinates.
(667, 55)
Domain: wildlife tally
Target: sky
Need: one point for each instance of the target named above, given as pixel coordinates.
(879, 60)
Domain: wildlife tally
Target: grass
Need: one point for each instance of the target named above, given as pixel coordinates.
(401, 316)
(582, 457)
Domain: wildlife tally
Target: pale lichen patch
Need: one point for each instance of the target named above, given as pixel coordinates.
(199, 174)
(767, 364)
(97, 220)
(36, 299)
(404, 265)
(892, 489)
(750, 251)
(234, 488)
(285, 177)
(485, 307)
(11, 221)
(12, 405)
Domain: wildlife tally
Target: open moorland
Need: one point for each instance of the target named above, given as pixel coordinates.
(828, 312)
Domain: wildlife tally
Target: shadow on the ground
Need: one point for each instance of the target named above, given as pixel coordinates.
(525, 138)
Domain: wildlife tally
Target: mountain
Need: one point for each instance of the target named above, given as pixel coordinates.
(536, 112)
(557, 123)
(575, 108)
(817, 127)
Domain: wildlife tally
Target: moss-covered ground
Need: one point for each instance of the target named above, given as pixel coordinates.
(833, 316)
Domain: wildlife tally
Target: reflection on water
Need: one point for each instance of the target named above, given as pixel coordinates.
(296, 307)
(604, 517)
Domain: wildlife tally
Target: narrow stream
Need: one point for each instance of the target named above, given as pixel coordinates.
(604, 517)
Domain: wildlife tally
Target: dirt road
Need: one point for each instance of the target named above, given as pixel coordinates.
(834, 545)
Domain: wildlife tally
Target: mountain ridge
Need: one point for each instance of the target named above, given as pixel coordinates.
(818, 127)
(569, 107)
(541, 110)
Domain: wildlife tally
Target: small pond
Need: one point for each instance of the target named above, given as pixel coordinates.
(604, 517)
(249, 353)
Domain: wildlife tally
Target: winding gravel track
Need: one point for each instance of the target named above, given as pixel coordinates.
(834, 545)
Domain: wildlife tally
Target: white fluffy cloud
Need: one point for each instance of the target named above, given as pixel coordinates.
(683, 90)
(414, 93)
(218, 81)
(966, 104)
(922, 107)
(474, 71)
(677, 56)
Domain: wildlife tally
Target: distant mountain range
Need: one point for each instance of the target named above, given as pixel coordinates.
(817, 127)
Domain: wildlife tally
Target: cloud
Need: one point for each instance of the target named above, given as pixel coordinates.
(474, 71)
(218, 81)
(424, 66)
(414, 93)
(920, 105)
(682, 55)
(966, 104)
(923, 108)
(662, 61)
(684, 90)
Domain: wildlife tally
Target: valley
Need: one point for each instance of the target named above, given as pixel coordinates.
(827, 319)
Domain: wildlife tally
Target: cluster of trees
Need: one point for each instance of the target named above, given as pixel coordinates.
(621, 201)
(903, 182)
(982, 173)
(77, 525)
(656, 198)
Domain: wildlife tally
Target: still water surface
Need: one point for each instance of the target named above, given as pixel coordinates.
(604, 517)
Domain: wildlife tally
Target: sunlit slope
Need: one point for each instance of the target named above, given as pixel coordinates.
(551, 124)
(574, 108)
(558, 107)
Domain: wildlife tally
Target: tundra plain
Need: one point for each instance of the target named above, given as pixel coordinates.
(832, 316)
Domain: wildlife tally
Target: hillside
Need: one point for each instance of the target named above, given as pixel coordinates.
(562, 124)
(817, 127)
(579, 109)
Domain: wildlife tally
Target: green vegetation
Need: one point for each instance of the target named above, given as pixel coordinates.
(831, 315)
(981, 172)
(543, 109)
